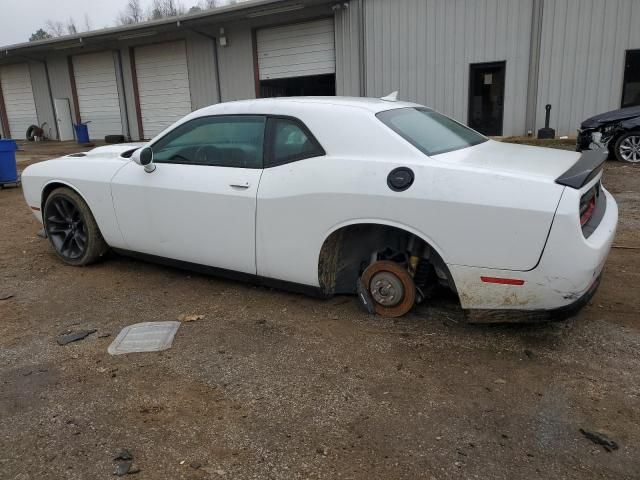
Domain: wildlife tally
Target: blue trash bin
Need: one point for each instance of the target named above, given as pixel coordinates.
(82, 133)
(8, 168)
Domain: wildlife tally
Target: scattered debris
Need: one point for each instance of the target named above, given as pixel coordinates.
(190, 317)
(6, 296)
(122, 468)
(195, 465)
(125, 464)
(104, 335)
(600, 439)
(124, 455)
(74, 336)
(529, 354)
(500, 381)
(144, 337)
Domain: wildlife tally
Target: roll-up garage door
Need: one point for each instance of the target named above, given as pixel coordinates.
(97, 87)
(298, 50)
(163, 85)
(18, 99)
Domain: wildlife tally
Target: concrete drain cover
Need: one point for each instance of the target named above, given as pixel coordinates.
(144, 337)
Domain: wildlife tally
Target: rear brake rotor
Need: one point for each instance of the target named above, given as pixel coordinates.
(391, 287)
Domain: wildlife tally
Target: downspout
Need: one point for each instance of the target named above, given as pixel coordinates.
(362, 48)
(534, 65)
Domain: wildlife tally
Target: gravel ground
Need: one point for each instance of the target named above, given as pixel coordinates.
(273, 385)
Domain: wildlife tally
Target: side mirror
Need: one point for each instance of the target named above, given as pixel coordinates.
(144, 157)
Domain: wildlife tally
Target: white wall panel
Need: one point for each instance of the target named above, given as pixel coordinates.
(424, 48)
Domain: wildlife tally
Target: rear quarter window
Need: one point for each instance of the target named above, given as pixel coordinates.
(429, 131)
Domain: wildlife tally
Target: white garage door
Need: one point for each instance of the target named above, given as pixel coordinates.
(297, 50)
(97, 88)
(18, 99)
(163, 85)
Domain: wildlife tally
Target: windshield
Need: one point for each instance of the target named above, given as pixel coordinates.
(429, 131)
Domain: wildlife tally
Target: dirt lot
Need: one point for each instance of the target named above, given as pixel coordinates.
(272, 385)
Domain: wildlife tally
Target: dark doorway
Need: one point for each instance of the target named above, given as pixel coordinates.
(631, 86)
(486, 97)
(315, 85)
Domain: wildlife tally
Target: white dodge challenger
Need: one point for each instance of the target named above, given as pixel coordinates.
(374, 197)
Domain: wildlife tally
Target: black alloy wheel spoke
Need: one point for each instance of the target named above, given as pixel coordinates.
(66, 228)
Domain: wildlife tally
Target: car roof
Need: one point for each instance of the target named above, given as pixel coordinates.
(374, 105)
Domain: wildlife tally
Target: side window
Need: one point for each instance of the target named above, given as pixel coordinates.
(290, 141)
(231, 141)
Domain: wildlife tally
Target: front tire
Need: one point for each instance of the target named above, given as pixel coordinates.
(627, 147)
(71, 229)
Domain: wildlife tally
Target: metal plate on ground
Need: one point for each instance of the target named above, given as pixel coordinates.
(144, 337)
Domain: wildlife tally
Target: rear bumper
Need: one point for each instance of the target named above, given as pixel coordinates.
(564, 280)
(534, 316)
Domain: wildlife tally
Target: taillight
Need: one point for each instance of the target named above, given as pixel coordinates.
(588, 204)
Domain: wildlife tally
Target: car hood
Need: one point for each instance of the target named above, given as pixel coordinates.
(107, 151)
(523, 160)
(612, 116)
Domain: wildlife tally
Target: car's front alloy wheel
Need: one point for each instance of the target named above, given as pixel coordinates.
(628, 147)
(71, 228)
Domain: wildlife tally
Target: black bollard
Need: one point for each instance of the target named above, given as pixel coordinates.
(546, 132)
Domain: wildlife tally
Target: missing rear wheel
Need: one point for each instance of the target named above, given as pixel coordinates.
(391, 288)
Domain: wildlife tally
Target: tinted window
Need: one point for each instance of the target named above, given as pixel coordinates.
(429, 131)
(234, 141)
(291, 141)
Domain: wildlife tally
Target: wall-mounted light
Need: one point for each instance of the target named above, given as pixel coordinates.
(222, 38)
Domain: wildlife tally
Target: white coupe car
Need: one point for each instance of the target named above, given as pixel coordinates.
(374, 197)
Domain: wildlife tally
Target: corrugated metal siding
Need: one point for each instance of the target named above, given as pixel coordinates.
(297, 50)
(129, 97)
(202, 71)
(97, 88)
(18, 98)
(423, 48)
(348, 51)
(582, 58)
(60, 82)
(236, 64)
(42, 99)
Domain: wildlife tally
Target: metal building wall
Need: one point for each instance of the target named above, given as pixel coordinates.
(423, 48)
(202, 71)
(60, 81)
(44, 105)
(582, 58)
(348, 49)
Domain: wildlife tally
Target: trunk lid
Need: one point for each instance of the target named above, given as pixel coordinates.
(522, 160)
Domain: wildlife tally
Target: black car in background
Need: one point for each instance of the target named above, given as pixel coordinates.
(618, 131)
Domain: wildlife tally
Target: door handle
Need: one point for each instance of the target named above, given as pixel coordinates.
(242, 185)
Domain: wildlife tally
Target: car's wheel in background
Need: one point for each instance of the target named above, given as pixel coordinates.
(71, 228)
(391, 288)
(627, 147)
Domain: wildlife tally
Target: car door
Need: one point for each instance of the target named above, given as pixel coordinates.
(199, 205)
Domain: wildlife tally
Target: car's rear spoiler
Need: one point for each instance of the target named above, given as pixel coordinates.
(585, 169)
